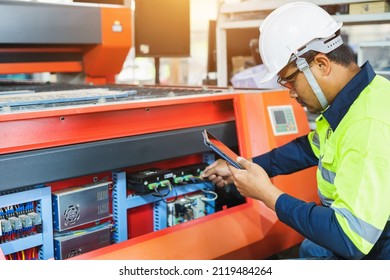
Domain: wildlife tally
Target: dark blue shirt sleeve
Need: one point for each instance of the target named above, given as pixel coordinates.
(317, 223)
(291, 157)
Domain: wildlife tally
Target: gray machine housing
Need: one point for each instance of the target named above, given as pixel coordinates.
(80, 242)
(78, 206)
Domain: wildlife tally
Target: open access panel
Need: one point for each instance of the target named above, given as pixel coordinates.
(157, 128)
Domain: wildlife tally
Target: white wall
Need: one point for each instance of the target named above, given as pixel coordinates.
(367, 33)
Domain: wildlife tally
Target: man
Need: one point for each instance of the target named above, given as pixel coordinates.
(301, 44)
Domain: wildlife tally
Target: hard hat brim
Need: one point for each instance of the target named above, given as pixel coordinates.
(267, 77)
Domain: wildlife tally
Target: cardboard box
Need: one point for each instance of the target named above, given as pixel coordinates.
(239, 63)
(369, 7)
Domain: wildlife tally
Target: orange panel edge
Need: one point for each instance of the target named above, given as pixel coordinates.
(102, 62)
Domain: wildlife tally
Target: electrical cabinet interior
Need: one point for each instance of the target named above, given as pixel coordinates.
(26, 222)
(79, 143)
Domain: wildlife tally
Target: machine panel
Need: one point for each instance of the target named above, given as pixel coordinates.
(282, 120)
(34, 18)
(80, 43)
(153, 128)
(60, 135)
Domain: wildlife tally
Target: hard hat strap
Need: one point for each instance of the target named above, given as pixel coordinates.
(304, 67)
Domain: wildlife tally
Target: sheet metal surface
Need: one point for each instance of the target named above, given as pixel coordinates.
(22, 96)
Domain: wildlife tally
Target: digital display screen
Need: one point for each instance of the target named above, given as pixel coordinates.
(280, 117)
(282, 120)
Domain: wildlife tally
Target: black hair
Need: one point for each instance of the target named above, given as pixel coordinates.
(343, 55)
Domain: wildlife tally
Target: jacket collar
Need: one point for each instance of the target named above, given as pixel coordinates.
(344, 99)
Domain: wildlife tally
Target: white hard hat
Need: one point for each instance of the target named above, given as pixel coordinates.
(295, 28)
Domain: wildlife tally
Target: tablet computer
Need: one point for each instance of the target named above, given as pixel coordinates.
(220, 148)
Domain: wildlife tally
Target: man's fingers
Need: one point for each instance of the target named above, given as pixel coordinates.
(206, 172)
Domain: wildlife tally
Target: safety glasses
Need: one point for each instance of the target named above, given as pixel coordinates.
(288, 82)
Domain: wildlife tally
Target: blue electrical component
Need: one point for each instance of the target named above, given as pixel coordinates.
(20, 213)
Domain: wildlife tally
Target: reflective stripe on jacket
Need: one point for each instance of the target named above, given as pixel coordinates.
(354, 164)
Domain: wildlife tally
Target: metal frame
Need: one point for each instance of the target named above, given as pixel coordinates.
(122, 202)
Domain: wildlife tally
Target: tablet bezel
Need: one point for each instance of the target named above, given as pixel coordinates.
(220, 148)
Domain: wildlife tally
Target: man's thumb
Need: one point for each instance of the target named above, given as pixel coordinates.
(243, 162)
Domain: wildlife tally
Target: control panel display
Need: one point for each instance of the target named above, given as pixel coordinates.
(282, 120)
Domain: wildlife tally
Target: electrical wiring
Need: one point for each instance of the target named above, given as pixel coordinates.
(81, 231)
(161, 195)
(175, 197)
(196, 179)
(189, 214)
(28, 254)
(207, 198)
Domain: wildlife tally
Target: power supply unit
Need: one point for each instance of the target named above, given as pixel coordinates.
(77, 206)
(78, 242)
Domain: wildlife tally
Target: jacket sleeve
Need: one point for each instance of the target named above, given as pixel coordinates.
(317, 223)
(291, 157)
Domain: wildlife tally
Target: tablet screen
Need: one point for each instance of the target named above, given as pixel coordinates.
(224, 151)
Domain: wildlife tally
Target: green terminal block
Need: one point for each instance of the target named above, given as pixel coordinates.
(153, 186)
(165, 183)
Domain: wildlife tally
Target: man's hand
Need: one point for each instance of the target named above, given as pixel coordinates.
(253, 182)
(218, 173)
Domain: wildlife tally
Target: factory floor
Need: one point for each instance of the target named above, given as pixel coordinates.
(290, 253)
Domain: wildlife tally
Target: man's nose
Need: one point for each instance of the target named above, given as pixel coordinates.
(293, 94)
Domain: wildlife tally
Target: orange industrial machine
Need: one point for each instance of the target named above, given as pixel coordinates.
(112, 172)
(88, 39)
(98, 143)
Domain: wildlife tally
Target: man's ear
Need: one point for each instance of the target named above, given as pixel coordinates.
(323, 63)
